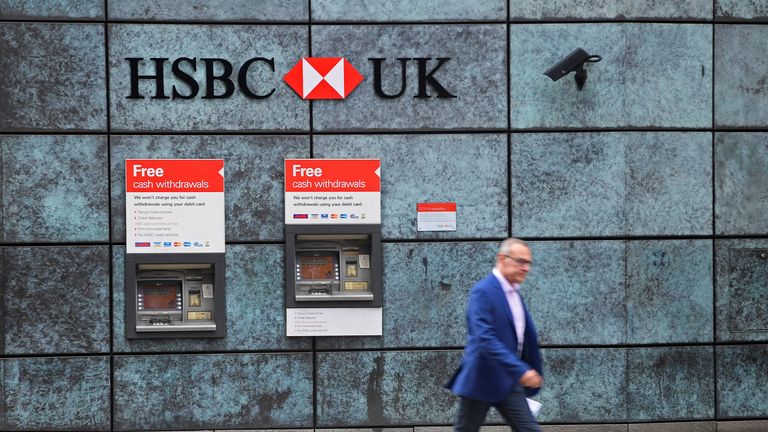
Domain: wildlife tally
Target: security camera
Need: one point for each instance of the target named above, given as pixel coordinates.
(573, 62)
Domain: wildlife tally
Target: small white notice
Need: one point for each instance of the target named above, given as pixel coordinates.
(534, 406)
(207, 290)
(333, 321)
(436, 216)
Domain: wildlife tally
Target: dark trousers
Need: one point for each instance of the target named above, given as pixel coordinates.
(514, 409)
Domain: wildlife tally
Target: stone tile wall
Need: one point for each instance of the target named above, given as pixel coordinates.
(642, 196)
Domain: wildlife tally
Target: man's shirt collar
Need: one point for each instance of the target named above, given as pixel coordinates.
(505, 285)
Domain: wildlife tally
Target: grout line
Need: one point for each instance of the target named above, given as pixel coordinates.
(440, 240)
(714, 221)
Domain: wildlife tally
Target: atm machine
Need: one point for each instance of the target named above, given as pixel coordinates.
(178, 296)
(333, 266)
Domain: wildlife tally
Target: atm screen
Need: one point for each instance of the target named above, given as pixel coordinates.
(159, 295)
(316, 267)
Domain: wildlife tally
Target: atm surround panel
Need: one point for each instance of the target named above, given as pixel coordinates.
(178, 295)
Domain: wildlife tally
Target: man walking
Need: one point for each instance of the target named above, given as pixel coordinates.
(502, 363)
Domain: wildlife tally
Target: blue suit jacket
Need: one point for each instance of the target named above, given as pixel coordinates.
(491, 367)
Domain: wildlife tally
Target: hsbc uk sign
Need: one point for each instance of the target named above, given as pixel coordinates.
(311, 78)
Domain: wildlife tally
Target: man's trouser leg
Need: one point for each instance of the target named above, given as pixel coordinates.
(515, 411)
(471, 414)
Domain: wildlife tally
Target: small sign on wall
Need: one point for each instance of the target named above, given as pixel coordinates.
(174, 206)
(436, 216)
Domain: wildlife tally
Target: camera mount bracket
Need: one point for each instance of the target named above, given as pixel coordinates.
(581, 73)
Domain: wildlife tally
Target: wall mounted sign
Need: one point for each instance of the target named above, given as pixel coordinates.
(174, 205)
(436, 216)
(332, 191)
(310, 78)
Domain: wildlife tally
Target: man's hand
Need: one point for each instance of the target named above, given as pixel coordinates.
(531, 379)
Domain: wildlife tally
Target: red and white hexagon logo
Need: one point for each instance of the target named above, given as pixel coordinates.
(323, 78)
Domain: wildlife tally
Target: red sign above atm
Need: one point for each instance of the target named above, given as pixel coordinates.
(174, 175)
(332, 175)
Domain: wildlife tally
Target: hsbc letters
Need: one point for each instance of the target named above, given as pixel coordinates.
(184, 69)
(189, 80)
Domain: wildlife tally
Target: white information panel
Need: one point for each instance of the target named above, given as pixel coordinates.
(332, 191)
(333, 321)
(174, 206)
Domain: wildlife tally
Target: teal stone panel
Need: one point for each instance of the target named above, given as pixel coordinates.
(52, 9)
(740, 288)
(253, 177)
(56, 300)
(218, 10)
(54, 189)
(619, 10)
(236, 44)
(650, 76)
(671, 383)
(426, 288)
(475, 74)
(2, 384)
(396, 388)
(433, 168)
(63, 394)
(576, 292)
(233, 391)
(584, 385)
(741, 374)
(741, 10)
(614, 292)
(3, 283)
(611, 184)
(405, 10)
(669, 291)
(741, 183)
(254, 289)
(54, 77)
(741, 76)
